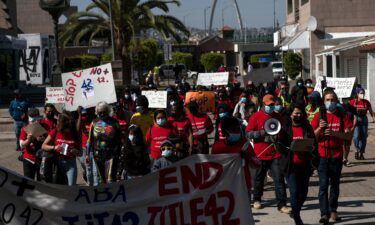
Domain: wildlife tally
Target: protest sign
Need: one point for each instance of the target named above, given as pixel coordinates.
(88, 87)
(205, 100)
(35, 129)
(55, 95)
(343, 86)
(201, 189)
(208, 79)
(261, 73)
(156, 99)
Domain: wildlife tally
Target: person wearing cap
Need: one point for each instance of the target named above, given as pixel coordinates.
(158, 132)
(362, 107)
(18, 111)
(168, 156)
(314, 105)
(202, 127)
(30, 145)
(143, 117)
(309, 86)
(266, 152)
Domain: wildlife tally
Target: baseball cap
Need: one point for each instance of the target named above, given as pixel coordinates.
(268, 99)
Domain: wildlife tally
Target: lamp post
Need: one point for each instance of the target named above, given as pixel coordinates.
(205, 20)
(55, 8)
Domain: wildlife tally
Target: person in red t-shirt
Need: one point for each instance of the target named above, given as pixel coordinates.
(158, 133)
(30, 145)
(224, 99)
(362, 107)
(202, 127)
(182, 124)
(264, 147)
(49, 122)
(299, 168)
(331, 128)
(64, 141)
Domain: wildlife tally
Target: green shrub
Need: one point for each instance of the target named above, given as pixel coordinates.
(255, 58)
(107, 56)
(212, 61)
(181, 57)
(80, 62)
(292, 64)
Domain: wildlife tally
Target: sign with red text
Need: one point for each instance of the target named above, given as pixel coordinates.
(202, 189)
(55, 95)
(88, 87)
(205, 100)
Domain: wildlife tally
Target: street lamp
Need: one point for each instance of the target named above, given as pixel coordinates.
(55, 8)
(205, 20)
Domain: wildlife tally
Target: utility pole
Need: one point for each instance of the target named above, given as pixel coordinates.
(205, 20)
(274, 15)
(112, 31)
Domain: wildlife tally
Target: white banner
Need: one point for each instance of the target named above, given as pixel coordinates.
(343, 86)
(202, 189)
(55, 95)
(208, 79)
(156, 99)
(88, 87)
(261, 73)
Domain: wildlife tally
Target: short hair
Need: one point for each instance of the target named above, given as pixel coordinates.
(49, 105)
(330, 91)
(33, 112)
(102, 105)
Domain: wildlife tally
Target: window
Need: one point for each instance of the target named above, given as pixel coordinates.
(290, 6)
(304, 2)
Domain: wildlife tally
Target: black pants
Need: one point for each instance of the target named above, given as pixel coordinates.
(31, 170)
(202, 147)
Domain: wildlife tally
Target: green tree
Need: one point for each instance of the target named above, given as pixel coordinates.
(292, 64)
(144, 54)
(130, 18)
(212, 61)
(181, 57)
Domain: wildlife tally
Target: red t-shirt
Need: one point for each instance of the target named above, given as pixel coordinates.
(29, 151)
(255, 123)
(220, 135)
(199, 124)
(182, 126)
(85, 128)
(298, 157)
(61, 138)
(227, 102)
(48, 124)
(155, 136)
(333, 145)
(362, 106)
(123, 124)
(182, 97)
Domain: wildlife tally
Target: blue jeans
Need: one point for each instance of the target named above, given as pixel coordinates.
(99, 171)
(360, 134)
(17, 130)
(68, 168)
(82, 162)
(329, 175)
(298, 181)
(260, 175)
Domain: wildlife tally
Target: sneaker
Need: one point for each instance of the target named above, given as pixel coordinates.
(334, 217)
(356, 156)
(347, 163)
(285, 210)
(361, 157)
(257, 205)
(324, 220)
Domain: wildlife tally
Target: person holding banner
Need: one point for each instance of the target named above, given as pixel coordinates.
(181, 123)
(142, 118)
(202, 127)
(362, 107)
(158, 133)
(103, 147)
(265, 149)
(65, 142)
(331, 128)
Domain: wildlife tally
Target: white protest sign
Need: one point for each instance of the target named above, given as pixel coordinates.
(88, 87)
(55, 95)
(261, 73)
(343, 86)
(156, 99)
(208, 79)
(201, 189)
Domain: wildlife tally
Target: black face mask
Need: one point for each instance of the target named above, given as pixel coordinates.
(102, 115)
(50, 116)
(193, 110)
(297, 119)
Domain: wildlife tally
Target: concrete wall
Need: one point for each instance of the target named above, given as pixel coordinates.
(371, 77)
(32, 19)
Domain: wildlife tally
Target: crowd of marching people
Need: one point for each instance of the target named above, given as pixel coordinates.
(126, 140)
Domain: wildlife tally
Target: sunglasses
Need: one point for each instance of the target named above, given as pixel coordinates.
(166, 148)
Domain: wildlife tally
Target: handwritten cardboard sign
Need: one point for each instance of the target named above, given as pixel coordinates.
(156, 99)
(55, 95)
(208, 79)
(343, 86)
(205, 100)
(88, 87)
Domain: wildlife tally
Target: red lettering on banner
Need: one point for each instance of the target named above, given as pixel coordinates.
(76, 74)
(164, 180)
(206, 167)
(227, 217)
(70, 90)
(154, 212)
(188, 177)
(96, 71)
(196, 212)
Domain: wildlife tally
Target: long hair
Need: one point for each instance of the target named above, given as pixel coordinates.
(66, 122)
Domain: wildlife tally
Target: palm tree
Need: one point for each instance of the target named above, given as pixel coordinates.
(130, 17)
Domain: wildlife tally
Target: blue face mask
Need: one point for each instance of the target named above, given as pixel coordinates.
(330, 106)
(139, 109)
(279, 108)
(167, 153)
(222, 115)
(233, 137)
(243, 100)
(161, 121)
(269, 109)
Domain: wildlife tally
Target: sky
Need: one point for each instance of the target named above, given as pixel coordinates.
(255, 13)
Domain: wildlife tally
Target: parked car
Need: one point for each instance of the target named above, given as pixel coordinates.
(277, 69)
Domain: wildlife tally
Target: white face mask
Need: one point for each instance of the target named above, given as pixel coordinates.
(131, 137)
(361, 96)
(34, 119)
(166, 153)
